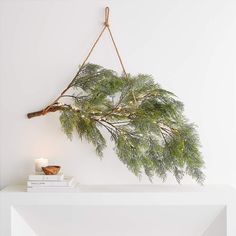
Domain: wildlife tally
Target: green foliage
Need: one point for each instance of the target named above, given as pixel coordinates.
(146, 123)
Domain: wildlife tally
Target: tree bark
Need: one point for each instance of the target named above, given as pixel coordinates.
(42, 112)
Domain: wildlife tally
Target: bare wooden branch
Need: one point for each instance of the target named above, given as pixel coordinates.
(42, 112)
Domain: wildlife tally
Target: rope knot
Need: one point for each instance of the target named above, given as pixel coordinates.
(106, 22)
(44, 111)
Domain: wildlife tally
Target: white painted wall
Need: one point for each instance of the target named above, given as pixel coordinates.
(189, 46)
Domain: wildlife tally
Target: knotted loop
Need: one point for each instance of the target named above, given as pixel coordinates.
(45, 110)
(106, 22)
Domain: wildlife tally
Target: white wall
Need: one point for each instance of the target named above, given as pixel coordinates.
(189, 46)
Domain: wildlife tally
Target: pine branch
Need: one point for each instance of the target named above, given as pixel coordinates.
(146, 123)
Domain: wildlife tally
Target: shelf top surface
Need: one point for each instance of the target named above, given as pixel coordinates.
(150, 188)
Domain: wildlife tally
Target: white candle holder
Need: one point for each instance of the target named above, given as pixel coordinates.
(39, 163)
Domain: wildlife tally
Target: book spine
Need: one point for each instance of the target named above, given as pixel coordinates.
(47, 184)
(46, 177)
(73, 188)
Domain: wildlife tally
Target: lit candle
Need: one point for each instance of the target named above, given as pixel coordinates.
(39, 163)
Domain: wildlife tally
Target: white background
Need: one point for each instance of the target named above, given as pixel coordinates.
(188, 46)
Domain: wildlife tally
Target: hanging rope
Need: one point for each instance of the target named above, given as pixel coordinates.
(106, 23)
(106, 26)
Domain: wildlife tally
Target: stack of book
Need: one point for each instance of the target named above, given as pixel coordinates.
(50, 183)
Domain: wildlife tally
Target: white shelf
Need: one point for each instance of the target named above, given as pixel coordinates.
(146, 188)
(180, 203)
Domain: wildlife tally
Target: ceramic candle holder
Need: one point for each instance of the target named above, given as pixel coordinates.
(51, 170)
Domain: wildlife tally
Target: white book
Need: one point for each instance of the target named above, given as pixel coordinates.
(58, 177)
(53, 189)
(66, 182)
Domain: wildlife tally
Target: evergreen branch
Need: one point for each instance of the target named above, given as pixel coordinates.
(147, 124)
